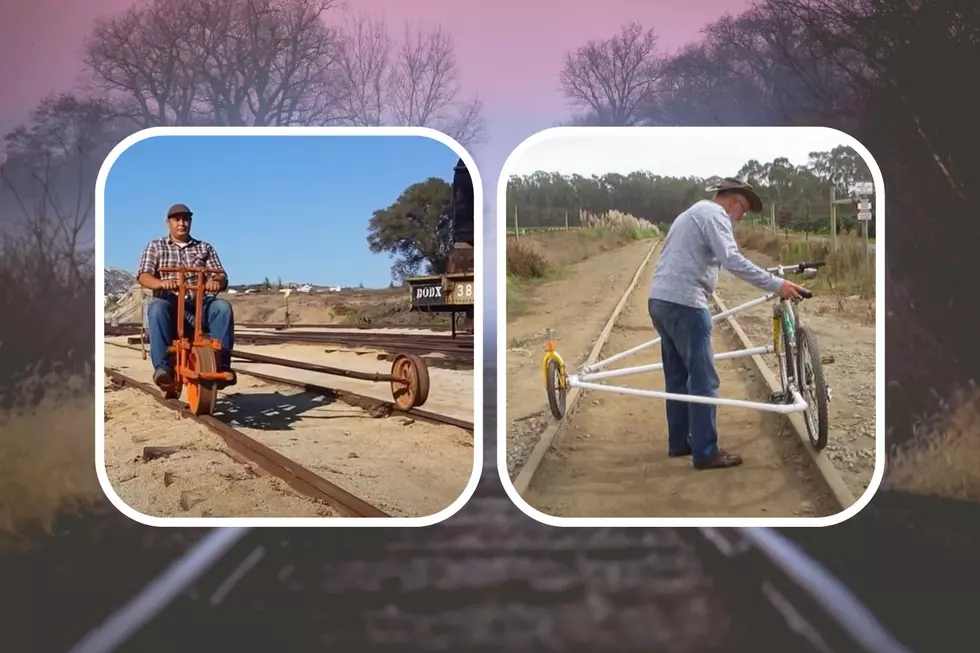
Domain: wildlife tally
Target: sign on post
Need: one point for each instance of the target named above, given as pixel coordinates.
(864, 215)
(863, 188)
(864, 205)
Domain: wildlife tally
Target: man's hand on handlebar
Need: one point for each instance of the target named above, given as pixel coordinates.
(212, 285)
(790, 290)
(169, 284)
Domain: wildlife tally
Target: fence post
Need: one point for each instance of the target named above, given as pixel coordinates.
(833, 218)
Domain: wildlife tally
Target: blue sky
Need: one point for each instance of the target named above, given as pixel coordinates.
(273, 206)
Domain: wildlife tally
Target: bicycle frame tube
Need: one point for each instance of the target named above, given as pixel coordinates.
(628, 371)
(798, 406)
(595, 367)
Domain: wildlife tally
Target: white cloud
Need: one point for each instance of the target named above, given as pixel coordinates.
(671, 151)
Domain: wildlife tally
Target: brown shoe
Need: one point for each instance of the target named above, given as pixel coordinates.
(718, 461)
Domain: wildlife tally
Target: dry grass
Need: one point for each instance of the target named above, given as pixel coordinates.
(47, 408)
(943, 457)
(47, 455)
(848, 271)
(624, 223)
(524, 261)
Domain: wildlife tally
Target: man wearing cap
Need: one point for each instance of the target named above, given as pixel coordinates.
(179, 249)
(700, 240)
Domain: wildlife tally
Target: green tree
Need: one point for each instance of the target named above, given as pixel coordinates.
(415, 230)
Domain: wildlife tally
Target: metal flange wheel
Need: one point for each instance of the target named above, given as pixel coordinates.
(202, 395)
(410, 381)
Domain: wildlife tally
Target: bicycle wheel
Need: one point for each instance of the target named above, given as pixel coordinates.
(556, 393)
(812, 386)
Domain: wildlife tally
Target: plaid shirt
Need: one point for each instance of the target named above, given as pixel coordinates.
(165, 253)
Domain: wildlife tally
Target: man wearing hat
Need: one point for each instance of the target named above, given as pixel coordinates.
(179, 249)
(701, 240)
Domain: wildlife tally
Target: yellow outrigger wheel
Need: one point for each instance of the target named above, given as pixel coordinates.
(555, 378)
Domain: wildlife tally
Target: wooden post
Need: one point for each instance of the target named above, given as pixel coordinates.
(772, 217)
(517, 228)
(867, 243)
(566, 219)
(833, 218)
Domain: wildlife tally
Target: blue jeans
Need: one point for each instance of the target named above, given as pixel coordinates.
(219, 322)
(689, 368)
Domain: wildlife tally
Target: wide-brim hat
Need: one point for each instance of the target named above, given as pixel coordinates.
(732, 184)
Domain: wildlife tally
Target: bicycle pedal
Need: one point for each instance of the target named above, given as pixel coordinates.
(777, 398)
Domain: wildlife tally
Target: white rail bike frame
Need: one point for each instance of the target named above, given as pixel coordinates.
(591, 373)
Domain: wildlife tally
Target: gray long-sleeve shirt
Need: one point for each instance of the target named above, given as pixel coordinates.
(698, 243)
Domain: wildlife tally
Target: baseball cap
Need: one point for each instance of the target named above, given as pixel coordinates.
(178, 209)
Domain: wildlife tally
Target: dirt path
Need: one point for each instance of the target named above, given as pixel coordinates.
(576, 307)
(610, 460)
(849, 338)
(404, 467)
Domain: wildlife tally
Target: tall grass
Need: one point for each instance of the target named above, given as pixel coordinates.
(943, 457)
(849, 270)
(623, 223)
(47, 412)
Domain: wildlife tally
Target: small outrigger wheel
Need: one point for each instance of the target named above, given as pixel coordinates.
(410, 381)
(557, 389)
(202, 395)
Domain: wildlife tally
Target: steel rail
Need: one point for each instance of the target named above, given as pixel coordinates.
(295, 475)
(348, 397)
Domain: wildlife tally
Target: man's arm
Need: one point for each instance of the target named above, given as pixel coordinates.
(146, 273)
(721, 240)
(212, 262)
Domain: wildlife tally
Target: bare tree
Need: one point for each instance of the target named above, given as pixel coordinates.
(414, 84)
(226, 62)
(363, 58)
(611, 80)
(50, 179)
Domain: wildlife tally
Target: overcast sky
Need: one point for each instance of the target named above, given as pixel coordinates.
(670, 151)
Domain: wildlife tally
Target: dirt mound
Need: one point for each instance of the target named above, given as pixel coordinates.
(129, 307)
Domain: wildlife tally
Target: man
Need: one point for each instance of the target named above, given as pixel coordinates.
(699, 241)
(179, 249)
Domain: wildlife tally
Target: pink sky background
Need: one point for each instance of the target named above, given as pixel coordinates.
(509, 51)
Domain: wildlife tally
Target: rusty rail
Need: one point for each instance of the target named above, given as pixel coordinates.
(375, 377)
(346, 396)
(295, 475)
(363, 401)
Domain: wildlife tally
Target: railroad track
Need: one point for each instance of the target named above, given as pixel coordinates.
(295, 475)
(350, 398)
(459, 348)
(491, 579)
(591, 470)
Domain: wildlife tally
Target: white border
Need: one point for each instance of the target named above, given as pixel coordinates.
(182, 522)
(753, 133)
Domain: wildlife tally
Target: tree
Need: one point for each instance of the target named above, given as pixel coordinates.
(47, 189)
(608, 82)
(221, 62)
(800, 195)
(414, 84)
(415, 229)
(49, 180)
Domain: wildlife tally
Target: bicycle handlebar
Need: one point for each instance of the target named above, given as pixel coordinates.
(189, 270)
(797, 268)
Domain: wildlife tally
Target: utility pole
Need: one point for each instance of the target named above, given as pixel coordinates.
(517, 229)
